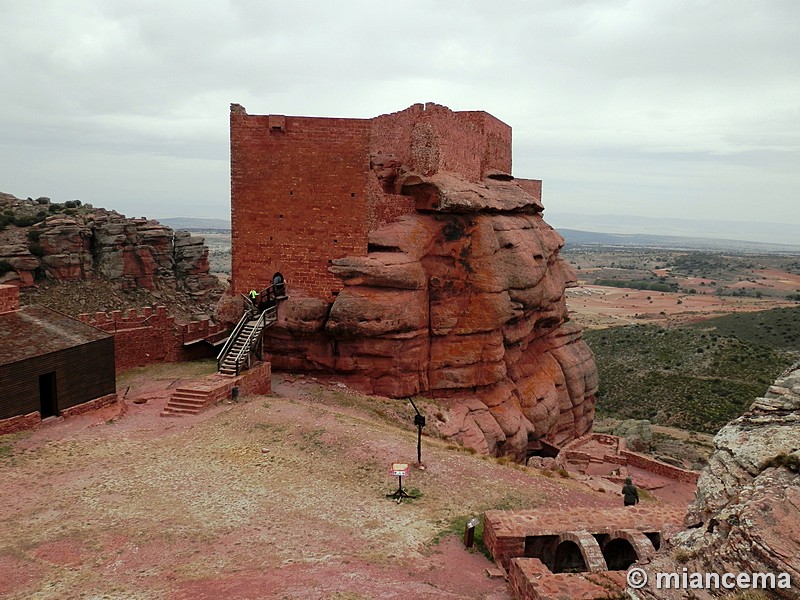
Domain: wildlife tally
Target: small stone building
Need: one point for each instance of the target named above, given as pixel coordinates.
(50, 364)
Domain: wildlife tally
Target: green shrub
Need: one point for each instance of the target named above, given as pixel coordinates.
(27, 221)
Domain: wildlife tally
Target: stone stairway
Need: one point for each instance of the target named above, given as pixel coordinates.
(189, 401)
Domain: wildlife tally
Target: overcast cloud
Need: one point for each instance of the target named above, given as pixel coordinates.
(664, 108)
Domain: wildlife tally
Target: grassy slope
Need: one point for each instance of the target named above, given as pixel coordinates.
(696, 377)
(776, 328)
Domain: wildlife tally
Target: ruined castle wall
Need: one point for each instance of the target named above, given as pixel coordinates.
(430, 138)
(298, 199)
(148, 336)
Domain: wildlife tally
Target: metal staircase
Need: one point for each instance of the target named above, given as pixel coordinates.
(244, 340)
(246, 336)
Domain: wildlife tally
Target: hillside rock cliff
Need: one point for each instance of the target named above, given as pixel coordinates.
(463, 300)
(76, 242)
(746, 516)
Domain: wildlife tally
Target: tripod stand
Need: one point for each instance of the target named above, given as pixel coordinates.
(400, 493)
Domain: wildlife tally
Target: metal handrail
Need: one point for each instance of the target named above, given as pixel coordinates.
(257, 329)
(248, 313)
(270, 291)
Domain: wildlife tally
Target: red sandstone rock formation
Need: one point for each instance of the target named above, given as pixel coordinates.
(746, 516)
(462, 300)
(91, 243)
(426, 267)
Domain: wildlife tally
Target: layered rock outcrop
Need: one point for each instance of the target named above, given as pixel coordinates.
(83, 244)
(746, 516)
(462, 300)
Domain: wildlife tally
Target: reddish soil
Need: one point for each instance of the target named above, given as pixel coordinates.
(269, 497)
(595, 306)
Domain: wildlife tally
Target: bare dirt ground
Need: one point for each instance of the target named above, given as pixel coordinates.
(269, 497)
(596, 307)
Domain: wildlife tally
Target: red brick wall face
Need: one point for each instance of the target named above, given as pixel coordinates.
(148, 336)
(303, 192)
(298, 199)
(9, 298)
(430, 138)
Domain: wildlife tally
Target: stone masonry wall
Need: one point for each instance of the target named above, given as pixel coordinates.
(9, 298)
(429, 138)
(148, 336)
(298, 195)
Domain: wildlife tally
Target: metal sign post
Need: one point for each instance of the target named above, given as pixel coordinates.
(419, 421)
(399, 470)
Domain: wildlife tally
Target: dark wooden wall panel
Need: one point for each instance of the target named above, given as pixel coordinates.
(82, 372)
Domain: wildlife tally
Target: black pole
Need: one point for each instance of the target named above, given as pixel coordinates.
(419, 421)
(419, 444)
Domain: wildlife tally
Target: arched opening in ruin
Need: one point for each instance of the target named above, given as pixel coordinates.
(542, 547)
(655, 538)
(619, 554)
(569, 558)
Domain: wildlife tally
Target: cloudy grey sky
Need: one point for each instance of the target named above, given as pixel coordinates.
(661, 108)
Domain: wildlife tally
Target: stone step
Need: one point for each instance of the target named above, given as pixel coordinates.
(182, 406)
(200, 394)
(190, 400)
(184, 403)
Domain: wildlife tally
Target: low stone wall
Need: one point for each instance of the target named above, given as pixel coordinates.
(529, 579)
(79, 409)
(659, 468)
(257, 380)
(31, 420)
(148, 335)
(19, 423)
(572, 453)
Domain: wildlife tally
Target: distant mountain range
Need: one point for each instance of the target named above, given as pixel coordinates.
(574, 237)
(748, 231)
(195, 224)
(617, 230)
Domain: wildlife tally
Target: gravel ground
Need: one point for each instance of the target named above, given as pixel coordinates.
(270, 497)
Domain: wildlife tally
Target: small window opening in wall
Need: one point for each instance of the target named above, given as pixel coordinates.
(277, 123)
(270, 238)
(335, 241)
(280, 216)
(352, 194)
(291, 193)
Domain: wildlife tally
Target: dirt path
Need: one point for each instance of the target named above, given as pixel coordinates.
(271, 497)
